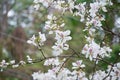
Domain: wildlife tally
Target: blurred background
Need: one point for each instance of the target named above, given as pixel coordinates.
(19, 21)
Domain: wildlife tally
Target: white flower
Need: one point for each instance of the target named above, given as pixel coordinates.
(93, 50)
(42, 38)
(51, 17)
(96, 22)
(118, 66)
(102, 6)
(58, 5)
(29, 59)
(78, 64)
(71, 5)
(59, 47)
(98, 75)
(45, 3)
(52, 61)
(92, 31)
(117, 22)
(52, 23)
(12, 62)
(15, 65)
(81, 76)
(81, 11)
(39, 40)
(50, 75)
(4, 64)
(56, 51)
(64, 74)
(22, 62)
(105, 51)
(89, 39)
(94, 7)
(63, 36)
(32, 40)
(36, 6)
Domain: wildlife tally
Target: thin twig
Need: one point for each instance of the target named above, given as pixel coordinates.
(39, 47)
(108, 73)
(74, 52)
(66, 61)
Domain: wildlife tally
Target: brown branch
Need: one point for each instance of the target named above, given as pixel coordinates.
(109, 31)
(111, 68)
(66, 61)
(75, 52)
(108, 73)
(39, 47)
(101, 59)
(42, 59)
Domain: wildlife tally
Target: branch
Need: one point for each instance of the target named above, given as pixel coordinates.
(109, 31)
(108, 73)
(39, 60)
(66, 61)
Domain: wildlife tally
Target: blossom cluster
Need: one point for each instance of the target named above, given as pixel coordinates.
(37, 41)
(60, 44)
(56, 73)
(53, 23)
(4, 64)
(92, 17)
(113, 73)
(93, 51)
(60, 5)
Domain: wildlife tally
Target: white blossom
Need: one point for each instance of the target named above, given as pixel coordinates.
(3, 64)
(29, 59)
(78, 64)
(45, 3)
(52, 61)
(41, 38)
(15, 65)
(37, 40)
(94, 7)
(81, 11)
(60, 45)
(98, 75)
(117, 22)
(93, 50)
(52, 23)
(12, 62)
(63, 36)
(32, 40)
(71, 6)
(22, 62)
